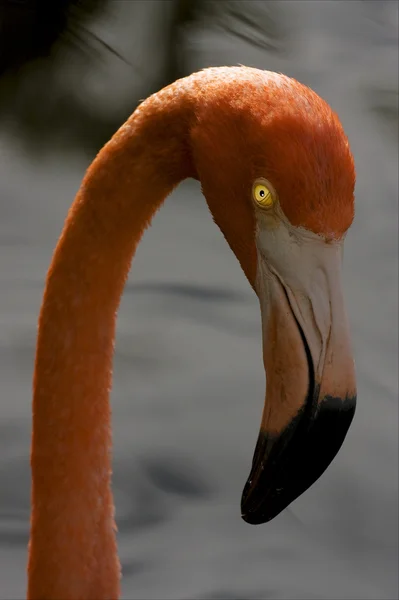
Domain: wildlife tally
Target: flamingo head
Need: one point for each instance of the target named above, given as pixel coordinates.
(278, 176)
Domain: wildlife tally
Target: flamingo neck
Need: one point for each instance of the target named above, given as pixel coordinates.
(73, 551)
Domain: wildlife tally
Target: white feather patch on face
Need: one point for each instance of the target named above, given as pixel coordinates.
(308, 267)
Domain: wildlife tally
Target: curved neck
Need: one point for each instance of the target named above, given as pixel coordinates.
(73, 552)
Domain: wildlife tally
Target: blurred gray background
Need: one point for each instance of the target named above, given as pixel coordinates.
(189, 380)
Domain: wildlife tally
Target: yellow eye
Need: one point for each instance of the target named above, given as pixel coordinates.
(262, 195)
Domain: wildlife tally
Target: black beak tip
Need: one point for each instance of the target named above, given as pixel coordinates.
(257, 514)
(256, 518)
(284, 468)
(249, 518)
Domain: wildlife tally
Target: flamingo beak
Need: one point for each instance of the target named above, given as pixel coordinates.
(310, 377)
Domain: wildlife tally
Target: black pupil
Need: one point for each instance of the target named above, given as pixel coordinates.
(262, 193)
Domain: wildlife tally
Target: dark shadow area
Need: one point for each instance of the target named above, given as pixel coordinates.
(47, 51)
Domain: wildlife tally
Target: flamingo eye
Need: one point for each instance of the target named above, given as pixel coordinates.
(263, 193)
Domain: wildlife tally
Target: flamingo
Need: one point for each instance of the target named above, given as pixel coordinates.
(278, 176)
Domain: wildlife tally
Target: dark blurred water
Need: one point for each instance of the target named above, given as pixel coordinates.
(189, 380)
